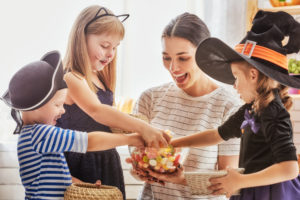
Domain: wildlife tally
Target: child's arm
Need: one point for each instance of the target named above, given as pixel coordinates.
(205, 138)
(51, 139)
(98, 141)
(234, 181)
(82, 95)
(276, 173)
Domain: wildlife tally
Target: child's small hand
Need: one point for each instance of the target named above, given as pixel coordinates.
(98, 183)
(136, 140)
(155, 138)
(76, 180)
(226, 185)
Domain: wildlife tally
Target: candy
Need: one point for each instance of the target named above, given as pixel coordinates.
(145, 159)
(162, 160)
(153, 162)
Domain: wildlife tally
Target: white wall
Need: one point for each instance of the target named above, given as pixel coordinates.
(141, 65)
(30, 28)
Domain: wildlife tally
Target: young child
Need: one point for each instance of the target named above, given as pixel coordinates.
(39, 92)
(90, 64)
(258, 69)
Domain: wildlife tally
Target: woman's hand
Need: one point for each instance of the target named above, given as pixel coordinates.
(135, 139)
(155, 138)
(176, 177)
(141, 175)
(226, 185)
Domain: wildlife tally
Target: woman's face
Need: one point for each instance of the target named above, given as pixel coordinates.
(102, 49)
(245, 81)
(179, 59)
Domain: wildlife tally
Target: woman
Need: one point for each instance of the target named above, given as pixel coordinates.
(191, 103)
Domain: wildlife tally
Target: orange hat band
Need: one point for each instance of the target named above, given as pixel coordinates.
(251, 49)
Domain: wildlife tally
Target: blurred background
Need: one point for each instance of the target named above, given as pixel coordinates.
(32, 27)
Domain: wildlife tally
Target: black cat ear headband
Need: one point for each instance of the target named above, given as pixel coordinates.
(124, 16)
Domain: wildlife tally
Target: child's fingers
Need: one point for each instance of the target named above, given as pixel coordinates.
(219, 192)
(215, 187)
(153, 144)
(128, 160)
(214, 181)
(166, 136)
(163, 140)
(98, 183)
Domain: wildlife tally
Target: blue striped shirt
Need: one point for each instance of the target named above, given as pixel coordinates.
(43, 168)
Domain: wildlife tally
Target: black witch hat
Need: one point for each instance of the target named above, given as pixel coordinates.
(262, 48)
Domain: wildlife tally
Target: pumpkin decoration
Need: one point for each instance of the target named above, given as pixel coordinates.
(277, 3)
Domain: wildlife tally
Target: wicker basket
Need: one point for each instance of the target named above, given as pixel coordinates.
(199, 181)
(141, 117)
(88, 191)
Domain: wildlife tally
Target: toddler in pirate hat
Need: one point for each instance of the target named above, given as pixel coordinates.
(257, 68)
(38, 91)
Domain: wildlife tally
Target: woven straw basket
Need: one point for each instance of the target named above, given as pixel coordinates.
(88, 191)
(199, 181)
(139, 116)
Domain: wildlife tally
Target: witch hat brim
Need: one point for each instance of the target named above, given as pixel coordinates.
(214, 57)
(34, 100)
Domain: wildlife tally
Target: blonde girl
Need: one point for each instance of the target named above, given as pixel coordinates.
(90, 65)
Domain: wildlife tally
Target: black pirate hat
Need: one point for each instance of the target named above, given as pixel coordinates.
(262, 48)
(34, 85)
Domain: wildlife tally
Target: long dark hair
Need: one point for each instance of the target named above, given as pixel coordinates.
(187, 26)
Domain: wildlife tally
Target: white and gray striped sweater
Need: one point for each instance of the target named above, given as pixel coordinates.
(168, 107)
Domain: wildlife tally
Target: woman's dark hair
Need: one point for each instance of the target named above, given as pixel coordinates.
(187, 26)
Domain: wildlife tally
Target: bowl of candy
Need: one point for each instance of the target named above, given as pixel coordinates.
(161, 160)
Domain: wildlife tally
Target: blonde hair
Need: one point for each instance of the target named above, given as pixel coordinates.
(264, 89)
(77, 58)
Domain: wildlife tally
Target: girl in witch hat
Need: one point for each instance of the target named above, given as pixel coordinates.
(257, 68)
(38, 91)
